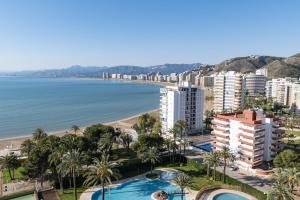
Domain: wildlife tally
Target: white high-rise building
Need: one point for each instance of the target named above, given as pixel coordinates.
(255, 84)
(280, 89)
(229, 91)
(253, 137)
(295, 97)
(182, 102)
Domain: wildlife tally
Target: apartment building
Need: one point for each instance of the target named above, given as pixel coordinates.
(280, 89)
(182, 102)
(255, 84)
(229, 91)
(295, 97)
(251, 136)
(204, 81)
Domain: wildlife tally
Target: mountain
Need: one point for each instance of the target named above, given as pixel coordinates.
(278, 67)
(288, 67)
(91, 71)
(245, 64)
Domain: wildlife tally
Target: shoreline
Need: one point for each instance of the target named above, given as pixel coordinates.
(123, 124)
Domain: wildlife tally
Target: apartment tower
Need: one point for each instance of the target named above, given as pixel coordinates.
(251, 136)
(229, 91)
(182, 102)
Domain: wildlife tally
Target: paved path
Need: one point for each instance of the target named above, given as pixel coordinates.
(260, 183)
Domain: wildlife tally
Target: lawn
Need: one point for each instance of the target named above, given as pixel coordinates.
(296, 133)
(69, 195)
(18, 175)
(199, 180)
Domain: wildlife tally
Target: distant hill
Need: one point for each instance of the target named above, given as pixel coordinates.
(278, 67)
(91, 71)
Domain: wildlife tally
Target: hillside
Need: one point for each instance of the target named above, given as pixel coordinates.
(278, 67)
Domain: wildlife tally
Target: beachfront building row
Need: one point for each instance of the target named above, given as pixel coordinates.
(182, 102)
(251, 136)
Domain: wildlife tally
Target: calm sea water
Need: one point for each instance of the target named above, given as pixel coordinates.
(57, 104)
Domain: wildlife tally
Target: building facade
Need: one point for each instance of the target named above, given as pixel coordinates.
(229, 91)
(251, 136)
(183, 102)
(279, 90)
(255, 84)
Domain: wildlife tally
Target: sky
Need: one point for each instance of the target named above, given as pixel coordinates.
(46, 34)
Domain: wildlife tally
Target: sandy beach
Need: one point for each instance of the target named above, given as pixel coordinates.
(123, 124)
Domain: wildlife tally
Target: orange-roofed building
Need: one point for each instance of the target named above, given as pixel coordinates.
(253, 137)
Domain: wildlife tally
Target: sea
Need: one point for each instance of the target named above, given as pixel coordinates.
(56, 104)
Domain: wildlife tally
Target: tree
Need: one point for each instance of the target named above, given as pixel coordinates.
(27, 146)
(10, 162)
(75, 129)
(183, 181)
(225, 155)
(181, 126)
(145, 124)
(168, 144)
(215, 161)
(55, 158)
(293, 177)
(71, 162)
(279, 192)
(208, 162)
(101, 171)
(286, 159)
(151, 156)
(106, 143)
(38, 134)
(126, 139)
(157, 128)
(185, 143)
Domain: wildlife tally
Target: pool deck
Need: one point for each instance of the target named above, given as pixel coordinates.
(87, 194)
(219, 191)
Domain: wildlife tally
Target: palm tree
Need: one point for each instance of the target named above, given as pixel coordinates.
(168, 144)
(38, 134)
(151, 156)
(106, 143)
(75, 129)
(293, 177)
(71, 162)
(215, 161)
(27, 146)
(174, 146)
(101, 171)
(279, 176)
(225, 155)
(183, 181)
(55, 158)
(10, 162)
(208, 161)
(185, 143)
(181, 126)
(126, 139)
(279, 192)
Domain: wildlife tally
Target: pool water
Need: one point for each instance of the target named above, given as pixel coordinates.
(229, 196)
(206, 147)
(140, 189)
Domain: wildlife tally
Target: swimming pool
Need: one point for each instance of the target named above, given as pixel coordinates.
(229, 196)
(139, 189)
(206, 147)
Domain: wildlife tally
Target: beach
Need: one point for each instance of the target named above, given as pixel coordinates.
(124, 124)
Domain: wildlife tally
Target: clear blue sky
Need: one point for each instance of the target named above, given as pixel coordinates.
(41, 34)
